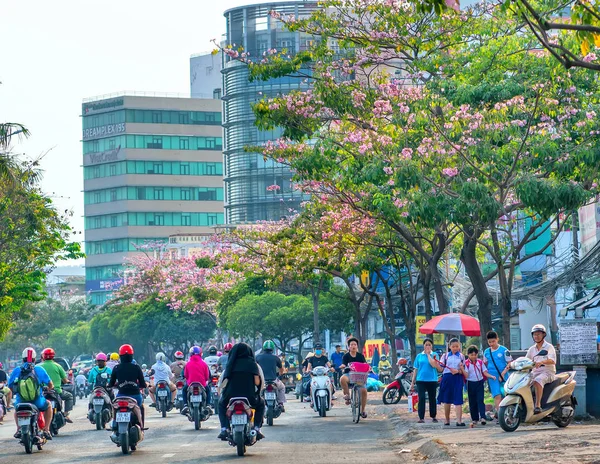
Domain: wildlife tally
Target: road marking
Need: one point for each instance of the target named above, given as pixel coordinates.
(187, 444)
(169, 455)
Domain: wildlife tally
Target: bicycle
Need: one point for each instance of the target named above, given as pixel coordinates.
(357, 381)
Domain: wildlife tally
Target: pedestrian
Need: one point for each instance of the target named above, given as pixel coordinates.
(426, 376)
(496, 359)
(452, 366)
(475, 374)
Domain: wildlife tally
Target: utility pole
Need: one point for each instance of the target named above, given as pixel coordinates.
(575, 250)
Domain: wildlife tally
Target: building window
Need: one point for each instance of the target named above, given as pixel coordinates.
(212, 219)
(211, 170)
(95, 148)
(113, 169)
(157, 117)
(113, 221)
(186, 194)
(159, 220)
(210, 143)
(97, 248)
(157, 168)
(113, 195)
(112, 144)
(217, 94)
(159, 194)
(97, 197)
(184, 143)
(209, 195)
(97, 222)
(96, 172)
(184, 169)
(186, 219)
(184, 118)
(141, 193)
(114, 246)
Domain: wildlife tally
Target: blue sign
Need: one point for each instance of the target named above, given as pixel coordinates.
(102, 285)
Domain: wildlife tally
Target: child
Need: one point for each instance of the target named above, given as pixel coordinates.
(475, 373)
(496, 359)
(451, 390)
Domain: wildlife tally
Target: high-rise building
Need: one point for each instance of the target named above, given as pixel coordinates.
(152, 168)
(247, 175)
(205, 75)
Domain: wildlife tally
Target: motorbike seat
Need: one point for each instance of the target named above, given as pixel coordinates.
(27, 407)
(549, 388)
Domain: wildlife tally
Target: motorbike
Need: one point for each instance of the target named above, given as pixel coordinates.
(30, 422)
(320, 389)
(558, 401)
(163, 398)
(213, 388)
(2, 402)
(385, 376)
(392, 394)
(240, 417)
(273, 408)
(198, 411)
(81, 391)
(70, 387)
(58, 417)
(305, 382)
(129, 431)
(179, 397)
(100, 412)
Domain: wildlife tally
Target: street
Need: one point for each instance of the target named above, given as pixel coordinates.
(299, 435)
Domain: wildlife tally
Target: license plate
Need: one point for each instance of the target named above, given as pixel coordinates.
(98, 401)
(196, 399)
(162, 393)
(269, 396)
(24, 421)
(123, 416)
(239, 419)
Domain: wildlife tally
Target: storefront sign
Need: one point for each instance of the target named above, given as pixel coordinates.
(101, 106)
(108, 130)
(370, 345)
(104, 157)
(438, 339)
(578, 341)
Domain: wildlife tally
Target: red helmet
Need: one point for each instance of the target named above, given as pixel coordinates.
(48, 353)
(227, 347)
(179, 355)
(125, 349)
(402, 362)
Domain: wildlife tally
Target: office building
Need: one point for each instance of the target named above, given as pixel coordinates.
(152, 169)
(247, 175)
(205, 75)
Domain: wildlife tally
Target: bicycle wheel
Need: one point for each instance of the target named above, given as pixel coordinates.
(355, 404)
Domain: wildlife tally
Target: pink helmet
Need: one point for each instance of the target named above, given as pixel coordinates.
(101, 357)
(219, 353)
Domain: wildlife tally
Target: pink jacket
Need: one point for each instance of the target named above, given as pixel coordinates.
(196, 370)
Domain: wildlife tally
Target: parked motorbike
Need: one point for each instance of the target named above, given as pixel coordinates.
(58, 417)
(320, 390)
(30, 422)
(392, 394)
(273, 408)
(198, 411)
(179, 397)
(163, 398)
(558, 401)
(100, 409)
(129, 430)
(213, 387)
(240, 417)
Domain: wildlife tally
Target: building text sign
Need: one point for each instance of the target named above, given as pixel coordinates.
(578, 341)
(109, 130)
(108, 156)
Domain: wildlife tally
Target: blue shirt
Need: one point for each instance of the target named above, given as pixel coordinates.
(501, 357)
(41, 374)
(425, 372)
(336, 358)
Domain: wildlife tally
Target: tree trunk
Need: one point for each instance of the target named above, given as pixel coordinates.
(426, 279)
(315, 300)
(438, 287)
(469, 259)
(505, 291)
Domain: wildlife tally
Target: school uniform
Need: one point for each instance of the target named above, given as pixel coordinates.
(475, 388)
(451, 388)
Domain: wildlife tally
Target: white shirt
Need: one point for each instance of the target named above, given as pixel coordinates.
(475, 370)
(162, 372)
(532, 354)
(211, 360)
(80, 379)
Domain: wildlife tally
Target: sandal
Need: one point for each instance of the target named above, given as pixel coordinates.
(347, 399)
(420, 421)
(461, 424)
(363, 415)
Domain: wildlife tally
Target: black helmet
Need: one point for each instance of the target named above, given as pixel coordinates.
(212, 350)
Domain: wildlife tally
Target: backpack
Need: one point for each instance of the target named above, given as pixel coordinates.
(28, 385)
(101, 381)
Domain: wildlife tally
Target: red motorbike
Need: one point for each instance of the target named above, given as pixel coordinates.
(399, 387)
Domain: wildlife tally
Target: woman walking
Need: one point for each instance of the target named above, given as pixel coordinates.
(426, 376)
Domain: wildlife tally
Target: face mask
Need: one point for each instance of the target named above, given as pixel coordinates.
(318, 352)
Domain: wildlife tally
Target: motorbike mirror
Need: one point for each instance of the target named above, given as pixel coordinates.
(542, 353)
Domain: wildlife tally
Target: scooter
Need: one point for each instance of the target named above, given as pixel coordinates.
(58, 417)
(240, 417)
(163, 398)
(392, 394)
(213, 388)
(179, 397)
(385, 376)
(30, 423)
(198, 411)
(273, 409)
(129, 430)
(81, 391)
(100, 412)
(320, 389)
(558, 401)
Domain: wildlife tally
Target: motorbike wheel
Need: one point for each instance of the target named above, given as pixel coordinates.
(240, 443)
(322, 408)
(561, 422)
(270, 416)
(506, 419)
(124, 438)
(27, 439)
(163, 409)
(197, 423)
(99, 424)
(53, 429)
(391, 396)
(355, 400)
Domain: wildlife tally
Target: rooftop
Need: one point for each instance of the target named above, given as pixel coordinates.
(135, 93)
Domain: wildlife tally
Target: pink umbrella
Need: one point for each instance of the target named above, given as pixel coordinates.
(452, 324)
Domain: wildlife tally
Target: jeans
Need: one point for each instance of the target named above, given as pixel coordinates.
(336, 377)
(68, 399)
(475, 392)
(429, 388)
(259, 413)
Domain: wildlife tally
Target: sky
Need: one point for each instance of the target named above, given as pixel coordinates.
(58, 53)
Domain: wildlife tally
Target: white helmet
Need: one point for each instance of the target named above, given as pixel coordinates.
(161, 357)
(29, 354)
(538, 328)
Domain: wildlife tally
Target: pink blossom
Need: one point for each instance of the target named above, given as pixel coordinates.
(450, 172)
(389, 171)
(407, 153)
(273, 188)
(590, 57)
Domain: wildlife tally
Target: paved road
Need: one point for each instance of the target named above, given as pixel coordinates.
(299, 435)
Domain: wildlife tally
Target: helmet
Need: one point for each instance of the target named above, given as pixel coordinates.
(115, 356)
(212, 350)
(195, 350)
(268, 345)
(125, 349)
(1, 366)
(384, 357)
(144, 366)
(161, 357)
(227, 347)
(219, 353)
(402, 362)
(48, 353)
(100, 357)
(538, 328)
(178, 355)
(29, 354)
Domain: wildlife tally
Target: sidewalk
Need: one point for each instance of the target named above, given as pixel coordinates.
(436, 443)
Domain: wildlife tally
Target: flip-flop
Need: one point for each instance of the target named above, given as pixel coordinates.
(363, 415)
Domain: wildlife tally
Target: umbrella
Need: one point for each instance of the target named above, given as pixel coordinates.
(452, 324)
(375, 360)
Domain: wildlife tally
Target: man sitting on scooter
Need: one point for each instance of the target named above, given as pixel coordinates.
(319, 359)
(545, 366)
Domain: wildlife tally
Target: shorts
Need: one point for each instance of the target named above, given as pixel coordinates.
(543, 377)
(496, 387)
(41, 403)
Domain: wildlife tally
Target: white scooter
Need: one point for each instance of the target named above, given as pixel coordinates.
(320, 390)
(558, 402)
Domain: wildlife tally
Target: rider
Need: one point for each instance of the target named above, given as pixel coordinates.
(80, 380)
(129, 379)
(196, 370)
(178, 365)
(212, 359)
(272, 369)
(6, 391)
(319, 359)
(353, 356)
(162, 373)
(222, 363)
(58, 376)
(384, 364)
(40, 402)
(545, 366)
(114, 360)
(336, 360)
(95, 378)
